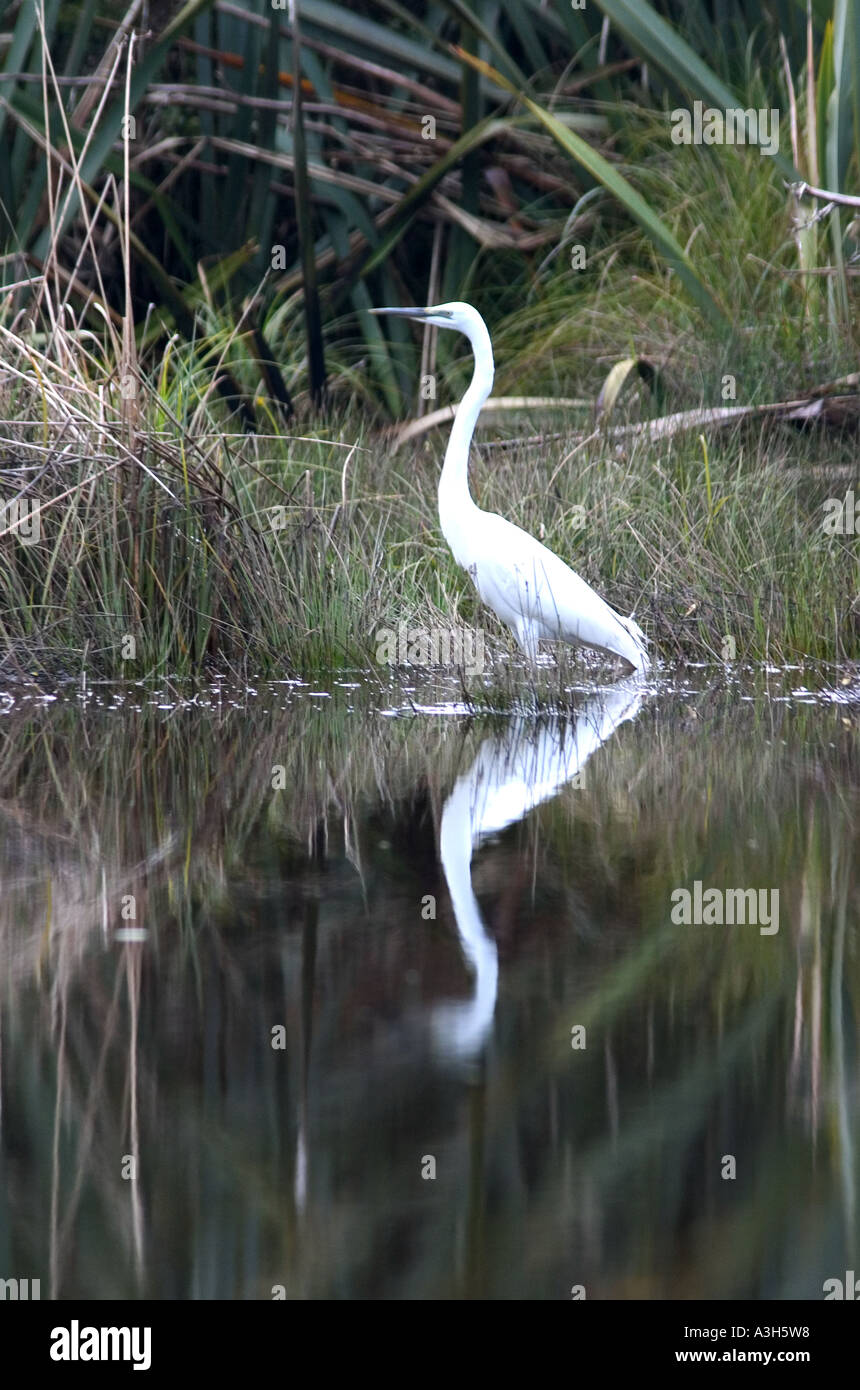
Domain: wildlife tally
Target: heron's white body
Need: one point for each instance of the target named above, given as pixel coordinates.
(529, 588)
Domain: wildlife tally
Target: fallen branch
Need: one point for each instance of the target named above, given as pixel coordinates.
(836, 410)
(401, 435)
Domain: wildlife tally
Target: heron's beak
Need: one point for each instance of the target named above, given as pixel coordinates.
(419, 314)
(401, 313)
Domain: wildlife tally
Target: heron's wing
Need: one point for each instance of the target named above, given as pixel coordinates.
(519, 578)
(528, 578)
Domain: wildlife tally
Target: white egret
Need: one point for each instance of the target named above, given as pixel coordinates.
(535, 593)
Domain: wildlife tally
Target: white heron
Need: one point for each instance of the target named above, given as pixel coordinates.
(529, 588)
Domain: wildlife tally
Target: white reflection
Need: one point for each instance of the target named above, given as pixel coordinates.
(515, 770)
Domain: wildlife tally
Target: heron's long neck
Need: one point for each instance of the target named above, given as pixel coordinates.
(455, 500)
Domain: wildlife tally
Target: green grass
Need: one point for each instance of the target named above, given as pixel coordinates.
(290, 550)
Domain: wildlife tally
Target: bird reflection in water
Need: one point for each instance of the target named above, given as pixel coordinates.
(513, 772)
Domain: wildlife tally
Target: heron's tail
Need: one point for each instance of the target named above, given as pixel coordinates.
(637, 653)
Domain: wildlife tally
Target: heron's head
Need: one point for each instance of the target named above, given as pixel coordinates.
(466, 320)
(456, 315)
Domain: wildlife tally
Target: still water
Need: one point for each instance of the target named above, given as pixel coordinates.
(351, 990)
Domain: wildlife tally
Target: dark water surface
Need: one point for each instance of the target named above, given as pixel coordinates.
(345, 990)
